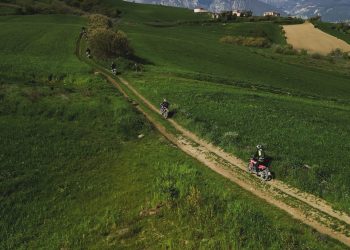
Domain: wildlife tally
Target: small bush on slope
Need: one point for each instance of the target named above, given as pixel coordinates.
(260, 42)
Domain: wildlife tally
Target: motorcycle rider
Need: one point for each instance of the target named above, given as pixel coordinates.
(114, 67)
(87, 52)
(259, 157)
(164, 104)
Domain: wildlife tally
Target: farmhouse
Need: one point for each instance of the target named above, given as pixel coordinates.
(271, 13)
(215, 15)
(242, 13)
(200, 10)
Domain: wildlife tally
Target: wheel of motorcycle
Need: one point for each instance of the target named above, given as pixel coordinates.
(264, 175)
(250, 168)
(166, 114)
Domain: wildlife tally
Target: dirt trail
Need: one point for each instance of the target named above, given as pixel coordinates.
(305, 207)
(306, 36)
(310, 199)
(308, 208)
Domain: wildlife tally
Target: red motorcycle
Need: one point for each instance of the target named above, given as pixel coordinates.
(262, 170)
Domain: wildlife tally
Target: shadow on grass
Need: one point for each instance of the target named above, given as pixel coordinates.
(172, 113)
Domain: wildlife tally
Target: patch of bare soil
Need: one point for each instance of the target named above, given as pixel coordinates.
(306, 36)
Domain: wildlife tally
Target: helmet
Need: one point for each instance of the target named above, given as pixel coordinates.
(259, 146)
(164, 100)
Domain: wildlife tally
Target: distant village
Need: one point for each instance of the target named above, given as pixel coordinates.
(234, 13)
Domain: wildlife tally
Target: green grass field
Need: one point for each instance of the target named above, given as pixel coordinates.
(74, 174)
(329, 28)
(27, 45)
(180, 49)
(296, 105)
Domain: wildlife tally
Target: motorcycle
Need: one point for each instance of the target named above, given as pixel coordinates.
(262, 170)
(164, 112)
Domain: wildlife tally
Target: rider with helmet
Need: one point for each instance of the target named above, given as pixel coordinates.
(164, 108)
(259, 156)
(165, 104)
(88, 52)
(114, 68)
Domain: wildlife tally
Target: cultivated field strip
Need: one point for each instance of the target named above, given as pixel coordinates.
(306, 36)
(308, 208)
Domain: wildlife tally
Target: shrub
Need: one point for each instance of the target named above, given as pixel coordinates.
(97, 21)
(316, 56)
(285, 49)
(106, 43)
(87, 5)
(303, 52)
(338, 53)
(260, 42)
(28, 7)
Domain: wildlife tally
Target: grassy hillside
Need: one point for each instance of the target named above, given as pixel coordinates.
(75, 175)
(181, 48)
(330, 28)
(28, 45)
(295, 131)
(237, 97)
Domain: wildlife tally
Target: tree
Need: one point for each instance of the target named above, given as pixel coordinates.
(105, 43)
(97, 21)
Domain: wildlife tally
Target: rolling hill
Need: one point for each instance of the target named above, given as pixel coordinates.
(82, 167)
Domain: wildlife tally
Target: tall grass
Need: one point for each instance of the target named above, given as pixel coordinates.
(295, 130)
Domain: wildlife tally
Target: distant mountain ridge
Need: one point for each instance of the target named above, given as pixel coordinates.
(330, 10)
(258, 7)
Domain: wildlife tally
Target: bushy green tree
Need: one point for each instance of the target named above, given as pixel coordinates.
(105, 43)
(97, 21)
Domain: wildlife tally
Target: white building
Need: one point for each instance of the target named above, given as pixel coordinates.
(242, 13)
(237, 12)
(271, 13)
(200, 10)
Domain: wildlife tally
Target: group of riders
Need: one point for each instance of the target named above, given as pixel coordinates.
(258, 158)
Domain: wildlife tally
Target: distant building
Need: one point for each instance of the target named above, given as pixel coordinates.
(271, 13)
(200, 10)
(237, 13)
(242, 13)
(215, 15)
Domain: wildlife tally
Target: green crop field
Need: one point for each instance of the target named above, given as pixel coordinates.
(237, 97)
(27, 45)
(330, 28)
(75, 175)
(180, 49)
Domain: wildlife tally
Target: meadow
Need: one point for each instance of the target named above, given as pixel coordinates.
(75, 175)
(237, 97)
(180, 48)
(330, 28)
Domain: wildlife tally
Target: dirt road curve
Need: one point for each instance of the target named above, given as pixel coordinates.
(306, 36)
